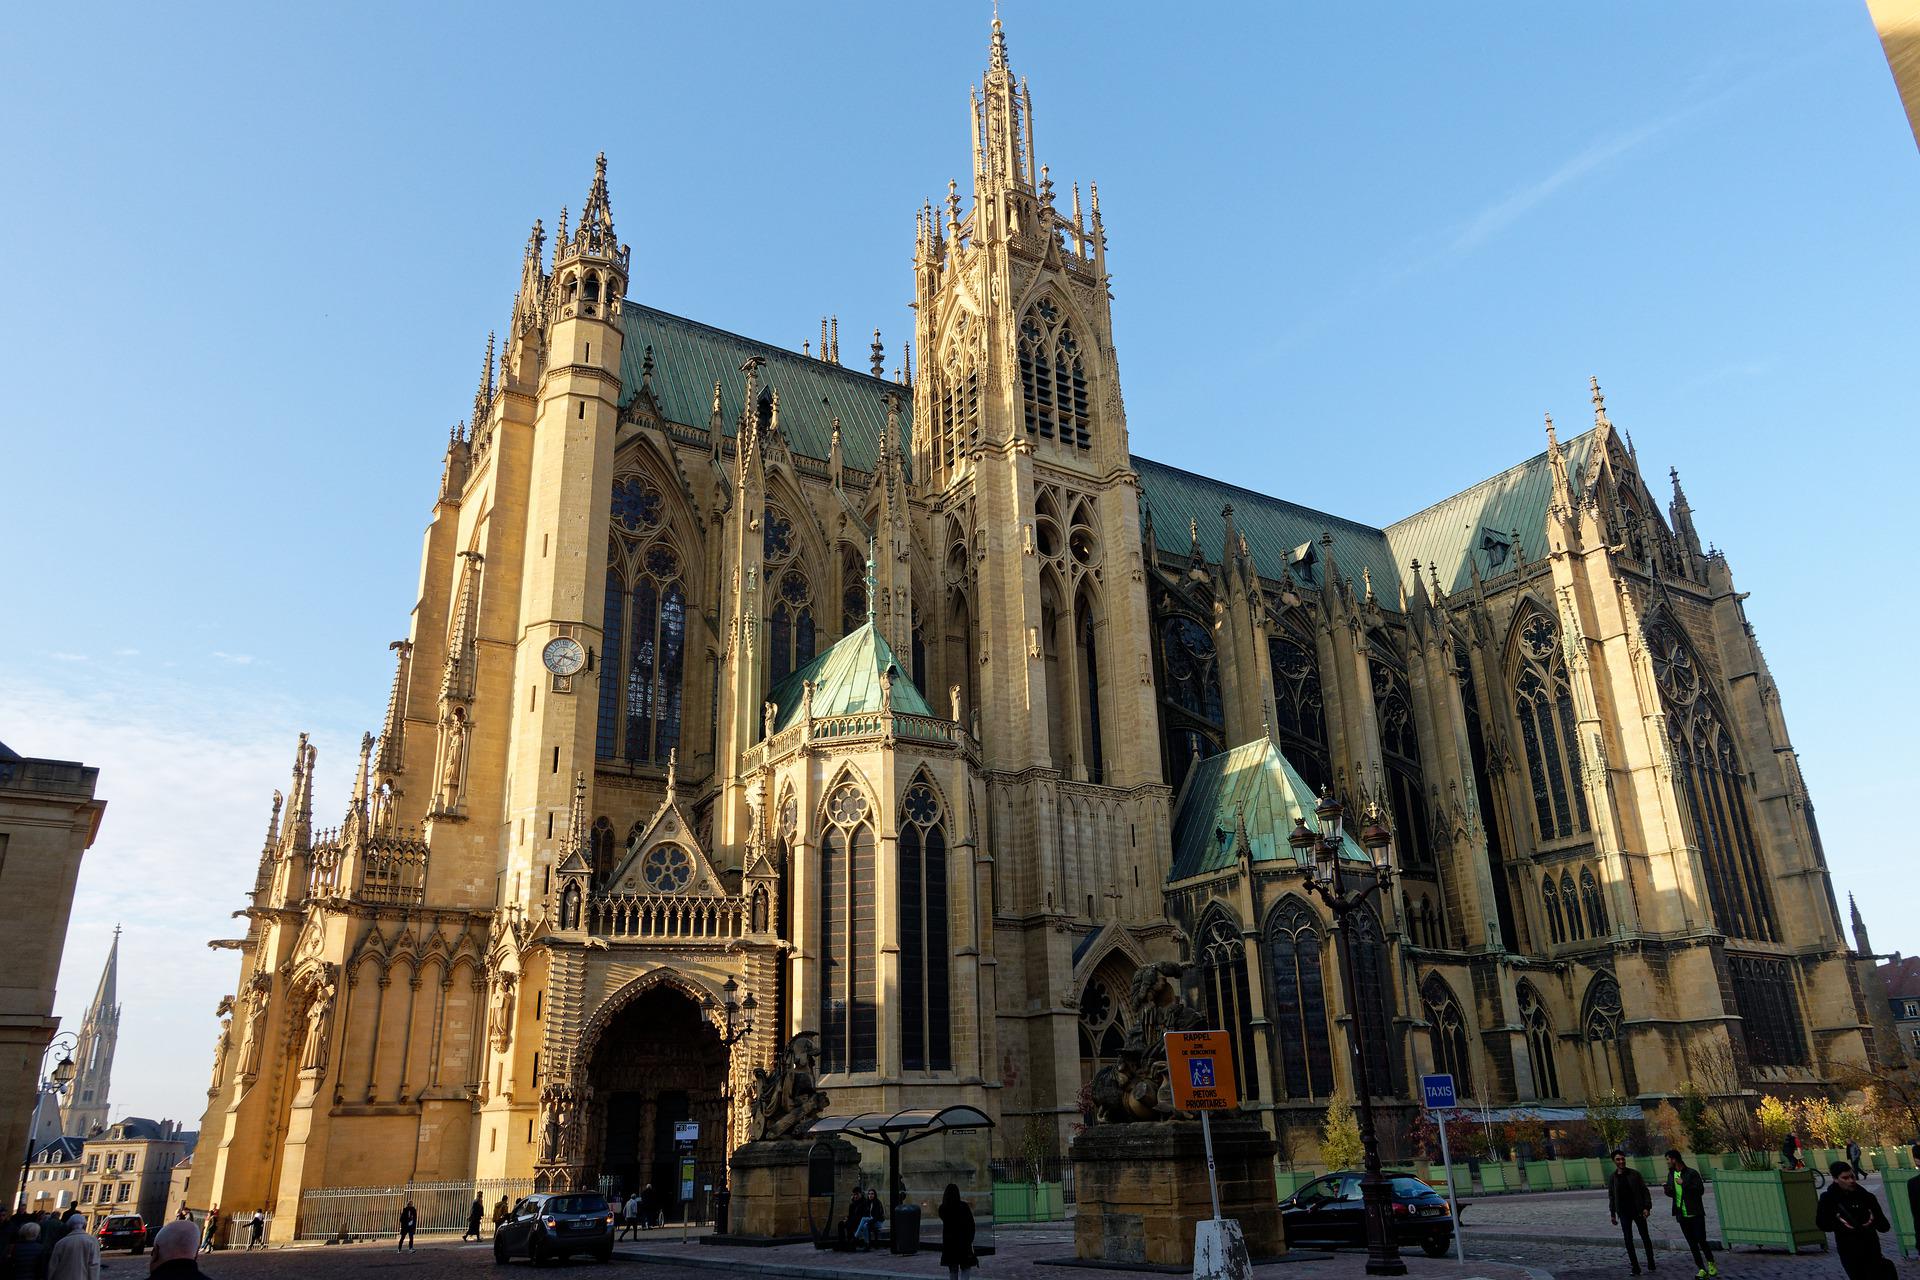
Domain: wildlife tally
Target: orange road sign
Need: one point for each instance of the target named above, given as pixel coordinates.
(1200, 1069)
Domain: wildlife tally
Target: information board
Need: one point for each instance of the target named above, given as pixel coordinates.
(1200, 1069)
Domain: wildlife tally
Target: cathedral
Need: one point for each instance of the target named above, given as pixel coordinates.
(750, 693)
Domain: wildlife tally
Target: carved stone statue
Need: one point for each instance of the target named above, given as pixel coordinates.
(770, 711)
(500, 1011)
(253, 1037)
(1135, 1086)
(221, 1047)
(786, 1100)
(557, 1134)
(456, 760)
(313, 1054)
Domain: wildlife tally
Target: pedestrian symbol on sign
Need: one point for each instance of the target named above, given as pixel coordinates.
(1201, 1071)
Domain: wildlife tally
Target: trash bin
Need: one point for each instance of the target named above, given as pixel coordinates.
(906, 1228)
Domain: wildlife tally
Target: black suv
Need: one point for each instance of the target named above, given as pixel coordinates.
(124, 1231)
(547, 1227)
(1328, 1211)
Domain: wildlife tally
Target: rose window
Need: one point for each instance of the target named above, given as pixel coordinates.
(667, 869)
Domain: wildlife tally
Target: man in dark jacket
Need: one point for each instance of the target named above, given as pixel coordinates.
(409, 1218)
(1852, 1213)
(1630, 1201)
(174, 1248)
(1688, 1194)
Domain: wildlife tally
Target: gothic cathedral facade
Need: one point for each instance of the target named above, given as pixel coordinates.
(921, 711)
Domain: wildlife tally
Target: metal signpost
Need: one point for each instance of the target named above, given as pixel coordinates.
(1438, 1091)
(1200, 1070)
(685, 1134)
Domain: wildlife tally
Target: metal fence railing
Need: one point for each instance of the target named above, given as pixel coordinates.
(360, 1212)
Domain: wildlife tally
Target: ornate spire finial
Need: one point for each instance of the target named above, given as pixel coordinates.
(870, 546)
(1599, 404)
(997, 45)
(1553, 438)
(878, 354)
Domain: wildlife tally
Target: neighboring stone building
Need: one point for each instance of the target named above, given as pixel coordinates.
(48, 819)
(84, 1107)
(128, 1166)
(1900, 978)
(53, 1176)
(926, 710)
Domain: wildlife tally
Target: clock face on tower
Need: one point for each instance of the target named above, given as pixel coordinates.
(564, 656)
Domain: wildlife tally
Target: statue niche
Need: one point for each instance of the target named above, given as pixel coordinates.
(1135, 1087)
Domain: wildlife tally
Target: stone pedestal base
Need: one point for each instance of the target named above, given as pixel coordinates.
(770, 1200)
(1142, 1188)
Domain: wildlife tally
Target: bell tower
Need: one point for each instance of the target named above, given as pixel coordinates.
(562, 585)
(1022, 437)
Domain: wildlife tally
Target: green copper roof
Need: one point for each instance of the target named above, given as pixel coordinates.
(1275, 529)
(1478, 526)
(689, 357)
(846, 681)
(1251, 783)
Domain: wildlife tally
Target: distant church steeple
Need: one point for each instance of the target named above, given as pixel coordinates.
(86, 1102)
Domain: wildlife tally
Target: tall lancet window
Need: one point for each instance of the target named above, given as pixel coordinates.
(1223, 967)
(849, 962)
(1447, 1032)
(1300, 711)
(643, 658)
(1715, 788)
(1543, 704)
(1297, 999)
(1053, 379)
(790, 635)
(926, 1026)
(1190, 690)
(1400, 744)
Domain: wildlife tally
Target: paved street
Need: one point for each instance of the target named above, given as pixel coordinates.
(1562, 1235)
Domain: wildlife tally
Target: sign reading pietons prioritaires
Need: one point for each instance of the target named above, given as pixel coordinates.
(1200, 1069)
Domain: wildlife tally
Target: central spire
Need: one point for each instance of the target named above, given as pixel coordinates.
(1002, 123)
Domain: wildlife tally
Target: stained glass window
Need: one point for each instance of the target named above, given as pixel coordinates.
(1714, 788)
(1103, 1027)
(1300, 714)
(1543, 704)
(848, 961)
(1296, 994)
(1223, 966)
(926, 1029)
(792, 625)
(1372, 976)
(1400, 744)
(1447, 1030)
(643, 658)
(1766, 997)
(1190, 689)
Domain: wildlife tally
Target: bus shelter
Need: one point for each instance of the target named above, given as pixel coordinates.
(961, 1157)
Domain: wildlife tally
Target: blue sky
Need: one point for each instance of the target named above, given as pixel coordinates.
(253, 254)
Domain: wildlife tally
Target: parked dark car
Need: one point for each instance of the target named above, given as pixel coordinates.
(550, 1227)
(1329, 1211)
(124, 1231)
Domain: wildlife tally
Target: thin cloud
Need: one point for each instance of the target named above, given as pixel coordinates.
(59, 656)
(237, 659)
(1503, 213)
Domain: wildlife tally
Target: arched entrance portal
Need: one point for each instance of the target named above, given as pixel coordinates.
(658, 1062)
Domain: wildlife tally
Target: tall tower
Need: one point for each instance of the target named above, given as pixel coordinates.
(86, 1107)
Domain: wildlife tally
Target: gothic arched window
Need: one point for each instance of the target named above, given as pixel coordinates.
(1103, 1023)
(926, 1028)
(1600, 1023)
(1543, 703)
(1550, 899)
(1053, 379)
(1715, 787)
(1590, 899)
(1375, 997)
(642, 665)
(1764, 993)
(1223, 969)
(1400, 745)
(1570, 903)
(853, 591)
(848, 958)
(1539, 1029)
(600, 843)
(1447, 1031)
(790, 638)
(1300, 711)
(1190, 688)
(1296, 995)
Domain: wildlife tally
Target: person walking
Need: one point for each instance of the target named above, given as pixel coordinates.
(646, 1207)
(1790, 1152)
(174, 1248)
(956, 1235)
(409, 1219)
(1853, 1158)
(27, 1256)
(77, 1257)
(213, 1228)
(476, 1213)
(633, 1212)
(1630, 1202)
(1854, 1217)
(256, 1230)
(501, 1212)
(1688, 1194)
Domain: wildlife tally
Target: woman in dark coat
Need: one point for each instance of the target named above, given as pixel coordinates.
(956, 1236)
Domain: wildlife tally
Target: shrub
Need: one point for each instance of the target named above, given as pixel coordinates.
(1340, 1145)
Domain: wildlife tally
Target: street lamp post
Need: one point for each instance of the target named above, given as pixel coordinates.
(732, 1006)
(53, 1083)
(1325, 846)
